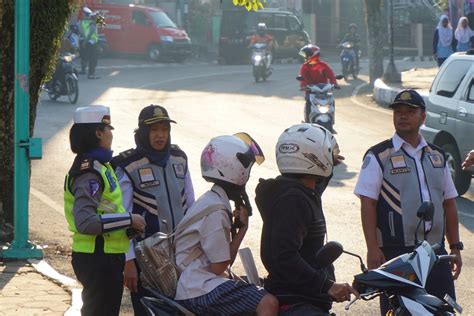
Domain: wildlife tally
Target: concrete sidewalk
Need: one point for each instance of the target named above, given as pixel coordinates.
(33, 287)
(415, 78)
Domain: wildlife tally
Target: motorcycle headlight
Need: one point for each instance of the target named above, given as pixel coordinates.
(257, 57)
(166, 38)
(324, 109)
(67, 58)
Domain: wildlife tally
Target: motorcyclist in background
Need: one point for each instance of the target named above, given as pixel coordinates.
(354, 38)
(314, 71)
(262, 37)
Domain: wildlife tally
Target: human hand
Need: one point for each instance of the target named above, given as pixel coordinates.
(341, 292)
(456, 263)
(469, 161)
(130, 276)
(375, 258)
(138, 223)
(338, 160)
(241, 215)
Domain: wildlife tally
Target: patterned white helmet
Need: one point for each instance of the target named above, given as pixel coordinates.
(306, 149)
(230, 158)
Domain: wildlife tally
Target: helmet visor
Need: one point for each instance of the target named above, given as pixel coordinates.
(253, 145)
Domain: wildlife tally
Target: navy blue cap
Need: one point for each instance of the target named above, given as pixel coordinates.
(409, 97)
(153, 114)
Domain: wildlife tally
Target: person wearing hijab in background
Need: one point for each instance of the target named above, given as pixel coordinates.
(155, 183)
(462, 35)
(443, 40)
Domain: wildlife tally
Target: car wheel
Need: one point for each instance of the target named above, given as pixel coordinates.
(154, 52)
(462, 179)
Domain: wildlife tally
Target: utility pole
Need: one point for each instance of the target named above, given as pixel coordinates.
(391, 73)
(25, 148)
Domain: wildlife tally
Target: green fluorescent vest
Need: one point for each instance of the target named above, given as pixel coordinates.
(86, 28)
(111, 202)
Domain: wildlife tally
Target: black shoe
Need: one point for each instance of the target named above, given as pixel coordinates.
(93, 77)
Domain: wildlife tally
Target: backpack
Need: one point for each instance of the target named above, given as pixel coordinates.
(156, 255)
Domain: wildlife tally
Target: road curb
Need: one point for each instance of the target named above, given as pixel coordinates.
(71, 285)
(383, 94)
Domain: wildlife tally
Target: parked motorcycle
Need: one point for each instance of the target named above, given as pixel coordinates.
(260, 62)
(402, 280)
(348, 60)
(64, 81)
(322, 108)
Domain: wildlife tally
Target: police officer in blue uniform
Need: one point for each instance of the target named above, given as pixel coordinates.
(155, 182)
(397, 176)
(95, 215)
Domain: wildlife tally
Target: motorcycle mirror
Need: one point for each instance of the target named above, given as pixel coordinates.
(328, 254)
(339, 77)
(425, 211)
(300, 78)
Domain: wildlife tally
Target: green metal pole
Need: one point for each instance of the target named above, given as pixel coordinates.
(21, 248)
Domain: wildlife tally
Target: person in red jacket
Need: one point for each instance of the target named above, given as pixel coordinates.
(314, 71)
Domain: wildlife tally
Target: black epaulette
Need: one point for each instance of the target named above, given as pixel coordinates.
(80, 166)
(376, 149)
(125, 158)
(177, 152)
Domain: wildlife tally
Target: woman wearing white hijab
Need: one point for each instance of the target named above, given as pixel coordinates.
(462, 34)
(443, 40)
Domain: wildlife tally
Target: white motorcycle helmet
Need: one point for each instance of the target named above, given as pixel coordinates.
(229, 159)
(306, 149)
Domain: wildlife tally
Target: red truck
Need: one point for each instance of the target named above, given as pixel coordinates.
(136, 29)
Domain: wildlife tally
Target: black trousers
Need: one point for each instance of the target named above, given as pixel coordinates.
(138, 308)
(440, 281)
(89, 57)
(101, 276)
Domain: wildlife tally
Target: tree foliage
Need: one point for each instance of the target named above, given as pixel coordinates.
(249, 4)
(47, 23)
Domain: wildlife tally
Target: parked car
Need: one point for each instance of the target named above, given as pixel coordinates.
(136, 29)
(450, 115)
(238, 25)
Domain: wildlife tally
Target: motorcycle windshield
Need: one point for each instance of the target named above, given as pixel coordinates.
(402, 270)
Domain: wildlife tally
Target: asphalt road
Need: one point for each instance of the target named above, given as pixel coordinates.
(209, 100)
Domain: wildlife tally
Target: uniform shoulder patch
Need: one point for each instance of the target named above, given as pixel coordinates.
(128, 153)
(86, 164)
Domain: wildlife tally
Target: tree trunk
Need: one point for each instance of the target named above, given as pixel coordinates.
(376, 30)
(47, 23)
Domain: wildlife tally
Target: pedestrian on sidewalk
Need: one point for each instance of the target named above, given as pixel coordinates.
(156, 183)
(95, 215)
(462, 35)
(397, 176)
(444, 43)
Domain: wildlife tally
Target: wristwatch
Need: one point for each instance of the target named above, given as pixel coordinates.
(458, 246)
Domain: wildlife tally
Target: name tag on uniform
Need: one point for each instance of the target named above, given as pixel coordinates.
(436, 160)
(400, 170)
(147, 178)
(398, 162)
(179, 170)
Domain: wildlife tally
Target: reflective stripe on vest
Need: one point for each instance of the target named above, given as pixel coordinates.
(400, 196)
(111, 202)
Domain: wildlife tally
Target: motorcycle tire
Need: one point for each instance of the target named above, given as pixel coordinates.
(72, 89)
(257, 78)
(52, 96)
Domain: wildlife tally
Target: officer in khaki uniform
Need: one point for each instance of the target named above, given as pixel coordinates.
(155, 182)
(94, 213)
(397, 176)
